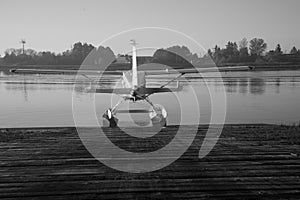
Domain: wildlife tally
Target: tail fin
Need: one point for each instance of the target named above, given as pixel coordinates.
(134, 64)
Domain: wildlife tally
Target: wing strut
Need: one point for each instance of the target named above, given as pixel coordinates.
(177, 77)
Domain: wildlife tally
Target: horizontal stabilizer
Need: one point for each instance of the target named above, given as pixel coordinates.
(133, 111)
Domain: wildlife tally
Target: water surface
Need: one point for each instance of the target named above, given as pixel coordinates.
(252, 97)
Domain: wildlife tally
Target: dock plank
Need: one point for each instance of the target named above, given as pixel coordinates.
(249, 161)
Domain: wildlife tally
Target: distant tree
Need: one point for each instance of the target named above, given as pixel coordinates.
(209, 52)
(232, 48)
(75, 56)
(184, 52)
(30, 52)
(217, 49)
(294, 50)
(206, 59)
(243, 50)
(80, 51)
(217, 55)
(271, 56)
(180, 50)
(175, 55)
(47, 58)
(257, 46)
(11, 56)
(243, 54)
(1, 60)
(243, 43)
(231, 52)
(278, 50)
(17, 52)
(102, 57)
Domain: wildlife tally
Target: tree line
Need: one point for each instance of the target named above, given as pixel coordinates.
(241, 52)
(253, 51)
(74, 56)
(234, 53)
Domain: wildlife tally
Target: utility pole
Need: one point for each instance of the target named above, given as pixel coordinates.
(23, 42)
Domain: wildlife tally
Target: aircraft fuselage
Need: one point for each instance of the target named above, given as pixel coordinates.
(137, 87)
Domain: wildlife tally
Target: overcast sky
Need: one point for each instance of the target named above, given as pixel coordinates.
(55, 25)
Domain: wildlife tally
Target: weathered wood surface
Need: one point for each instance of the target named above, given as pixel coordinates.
(248, 162)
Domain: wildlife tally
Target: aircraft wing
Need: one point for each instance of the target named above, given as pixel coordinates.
(114, 91)
(118, 72)
(199, 70)
(59, 71)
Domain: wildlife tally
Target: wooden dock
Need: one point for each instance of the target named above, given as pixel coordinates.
(248, 162)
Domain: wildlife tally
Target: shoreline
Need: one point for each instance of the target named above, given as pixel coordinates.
(258, 67)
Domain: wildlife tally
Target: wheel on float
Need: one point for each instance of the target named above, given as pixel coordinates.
(109, 120)
(158, 115)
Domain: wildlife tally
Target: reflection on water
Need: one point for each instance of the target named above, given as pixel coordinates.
(243, 85)
(277, 85)
(257, 85)
(252, 97)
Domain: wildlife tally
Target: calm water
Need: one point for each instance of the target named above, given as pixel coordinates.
(252, 97)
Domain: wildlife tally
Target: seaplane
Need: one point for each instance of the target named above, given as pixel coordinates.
(134, 85)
